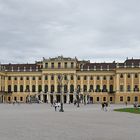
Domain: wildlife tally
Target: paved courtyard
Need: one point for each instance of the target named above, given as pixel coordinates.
(41, 122)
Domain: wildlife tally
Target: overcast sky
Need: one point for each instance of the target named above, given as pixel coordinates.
(99, 30)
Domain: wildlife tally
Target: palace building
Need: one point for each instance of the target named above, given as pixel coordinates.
(64, 78)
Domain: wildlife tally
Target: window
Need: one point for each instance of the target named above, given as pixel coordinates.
(65, 77)
(91, 78)
(9, 88)
(128, 76)
(98, 88)
(111, 99)
(52, 65)
(46, 77)
(111, 88)
(9, 78)
(78, 77)
(46, 88)
(91, 88)
(104, 99)
(128, 88)
(39, 77)
(52, 77)
(33, 88)
(111, 77)
(71, 88)
(46, 65)
(33, 78)
(136, 75)
(15, 88)
(98, 78)
(9, 99)
(66, 65)
(21, 88)
(21, 78)
(58, 88)
(27, 78)
(21, 98)
(59, 65)
(85, 77)
(15, 98)
(136, 88)
(85, 88)
(104, 78)
(72, 65)
(15, 78)
(52, 88)
(104, 88)
(39, 88)
(128, 99)
(121, 76)
(27, 88)
(121, 88)
(72, 77)
(65, 88)
(98, 99)
(135, 99)
(121, 99)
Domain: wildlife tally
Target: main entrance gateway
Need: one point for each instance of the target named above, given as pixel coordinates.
(71, 98)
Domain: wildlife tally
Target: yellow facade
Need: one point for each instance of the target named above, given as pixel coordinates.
(48, 79)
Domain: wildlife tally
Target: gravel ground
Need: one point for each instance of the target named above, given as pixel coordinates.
(41, 122)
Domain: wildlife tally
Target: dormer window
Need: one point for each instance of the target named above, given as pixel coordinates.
(46, 65)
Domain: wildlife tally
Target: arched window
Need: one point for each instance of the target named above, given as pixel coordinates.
(104, 88)
(52, 88)
(39, 88)
(27, 88)
(128, 88)
(65, 89)
(85, 88)
(33, 88)
(46, 88)
(111, 88)
(21, 88)
(98, 88)
(58, 88)
(71, 88)
(15, 88)
(9, 88)
(91, 88)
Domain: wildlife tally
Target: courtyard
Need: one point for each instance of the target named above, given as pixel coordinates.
(89, 122)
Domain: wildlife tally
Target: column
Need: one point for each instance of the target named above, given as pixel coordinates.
(36, 84)
(108, 83)
(117, 83)
(0, 83)
(18, 84)
(139, 81)
(43, 78)
(95, 83)
(30, 83)
(24, 83)
(12, 81)
(125, 87)
(6, 82)
(49, 83)
(132, 83)
(75, 87)
(88, 86)
(55, 83)
(101, 78)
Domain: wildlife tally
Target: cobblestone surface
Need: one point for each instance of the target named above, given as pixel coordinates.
(41, 122)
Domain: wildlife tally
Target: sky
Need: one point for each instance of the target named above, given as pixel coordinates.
(96, 30)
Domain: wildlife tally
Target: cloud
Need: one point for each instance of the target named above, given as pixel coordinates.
(93, 29)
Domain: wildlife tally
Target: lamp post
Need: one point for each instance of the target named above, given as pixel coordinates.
(60, 82)
(78, 91)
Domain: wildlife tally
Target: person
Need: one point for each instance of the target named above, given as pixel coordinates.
(102, 106)
(105, 106)
(55, 106)
(126, 103)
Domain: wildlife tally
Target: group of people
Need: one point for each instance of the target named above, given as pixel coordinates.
(104, 106)
(56, 105)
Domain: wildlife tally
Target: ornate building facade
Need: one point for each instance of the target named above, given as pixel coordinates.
(53, 78)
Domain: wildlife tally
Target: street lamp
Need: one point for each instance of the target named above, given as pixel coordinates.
(78, 100)
(60, 82)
